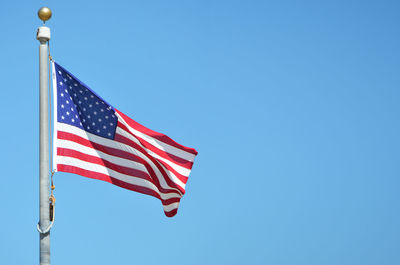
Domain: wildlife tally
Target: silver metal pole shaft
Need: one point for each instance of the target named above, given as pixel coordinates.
(43, 36)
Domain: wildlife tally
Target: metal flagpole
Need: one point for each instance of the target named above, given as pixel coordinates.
(43, 36)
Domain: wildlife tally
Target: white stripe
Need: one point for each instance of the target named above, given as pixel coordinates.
(181, 170)
(117, 145)
(110, 158)
(71, 161)
(54, 165)
(170, 207)
(170, 174)
(157, 143)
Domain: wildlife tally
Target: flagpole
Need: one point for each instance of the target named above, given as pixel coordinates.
(43, 36)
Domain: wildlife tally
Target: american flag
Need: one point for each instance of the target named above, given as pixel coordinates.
(95, 140)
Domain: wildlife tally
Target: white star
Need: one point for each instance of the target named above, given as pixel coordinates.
(106, 117)
(75, 84)
(67, 102)
(88, 127)
(90, 105)
(59, 72)
(62, 94)
(80, 113)
(76, 116)
(61, 83)
(98, 131)
(97, 103)
(84, 109)
(109, 134)
(66, 91)
(88, 116)
(83, 120)
(65, 80)
(95, 113)
(111, 124)
(73, 120)
(93, 123)
(102, 110)
(62, 106)
(62, 117)
(113, 116)
(85, 98)
(80, 123)
(80, 91)
(72, 109)
(104, 127)
(91, 96)
(79, 102)
(67, 112)
(99, 120)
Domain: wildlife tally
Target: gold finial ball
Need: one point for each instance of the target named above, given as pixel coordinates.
(44, 13)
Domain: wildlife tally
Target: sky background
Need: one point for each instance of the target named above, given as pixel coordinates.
(293, 107)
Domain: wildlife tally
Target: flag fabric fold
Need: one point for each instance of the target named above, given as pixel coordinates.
(95, 140)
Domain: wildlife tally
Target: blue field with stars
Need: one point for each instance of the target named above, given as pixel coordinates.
(79, 106)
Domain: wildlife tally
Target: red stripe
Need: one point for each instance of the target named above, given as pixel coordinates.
(101, 161)
(100, 176)
(121, 154)
(159, 164)
(124, 140)
(171, 213)
(159, 136)
(173, 158)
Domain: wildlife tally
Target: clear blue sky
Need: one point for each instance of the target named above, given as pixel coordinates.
(292, 105)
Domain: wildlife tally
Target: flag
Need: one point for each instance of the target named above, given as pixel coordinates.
(95, 140)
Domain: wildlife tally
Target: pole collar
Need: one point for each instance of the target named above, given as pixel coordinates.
(43, 34)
